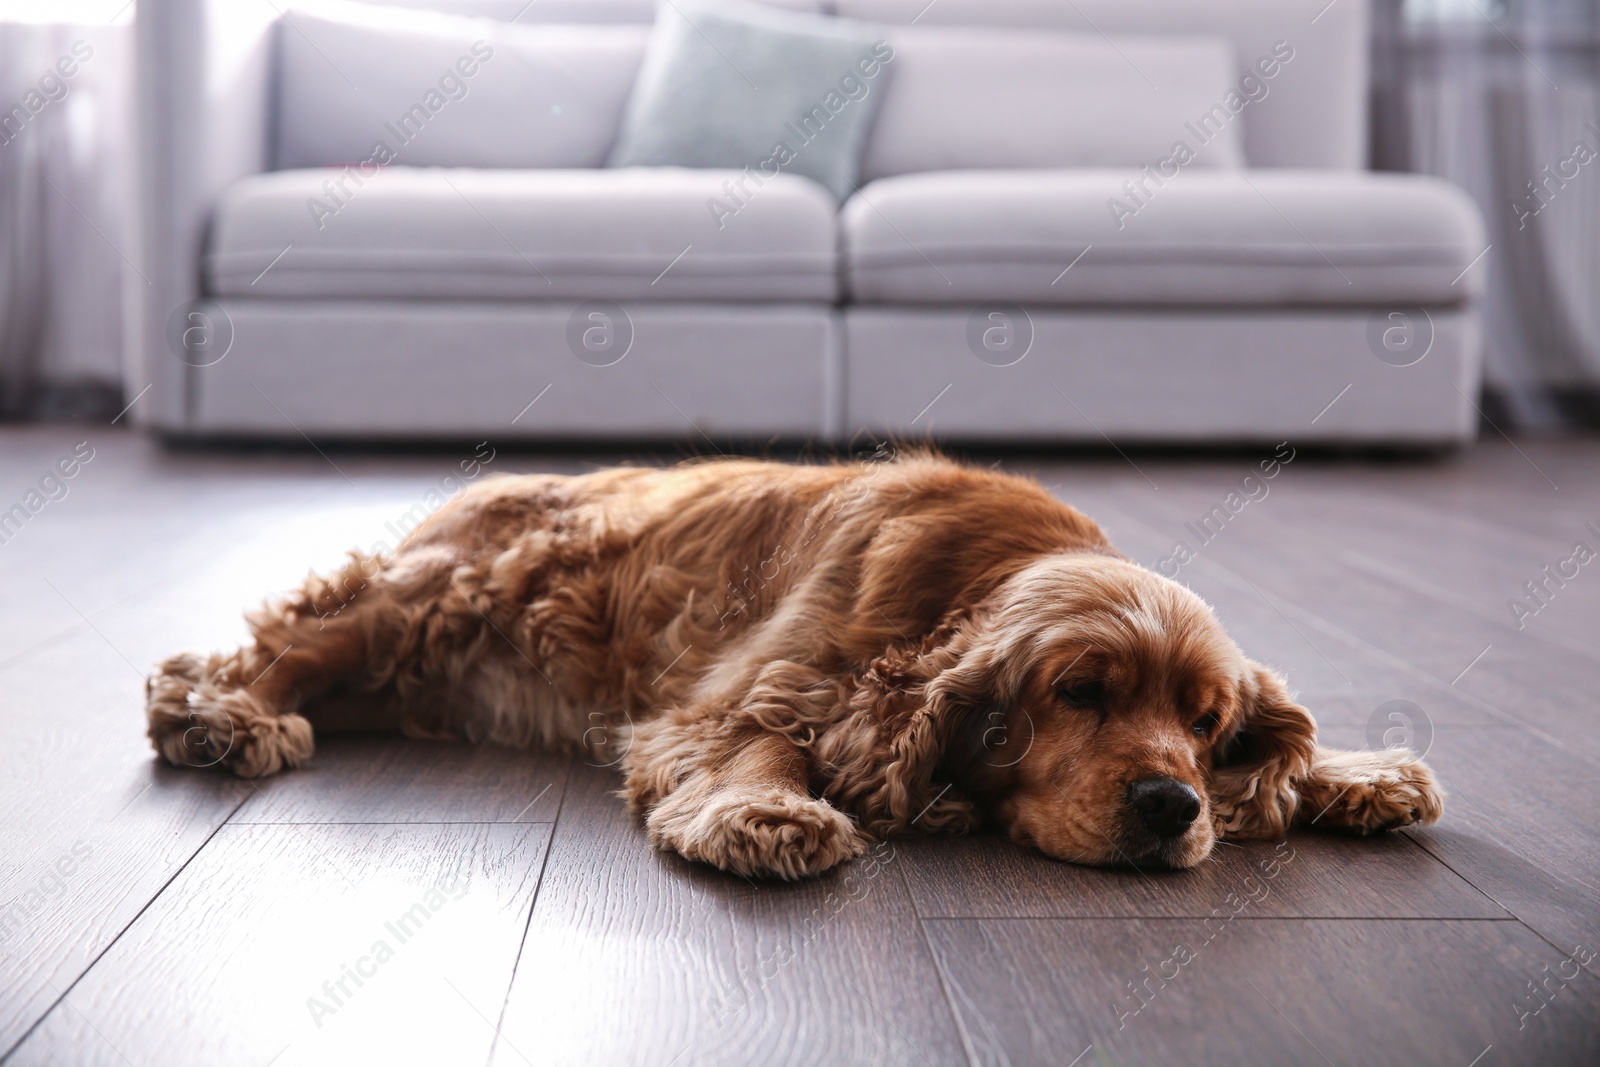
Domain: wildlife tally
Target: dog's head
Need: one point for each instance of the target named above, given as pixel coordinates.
(1099, 712)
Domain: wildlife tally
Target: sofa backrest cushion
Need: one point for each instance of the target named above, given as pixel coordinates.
(1316, 112)
(357, 82)
(979, 98)
(346, 72)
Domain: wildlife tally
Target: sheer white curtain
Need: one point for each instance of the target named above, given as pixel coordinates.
(64, 111)
(1503, 98)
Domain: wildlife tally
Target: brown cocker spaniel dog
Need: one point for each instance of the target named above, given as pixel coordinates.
(788, 659)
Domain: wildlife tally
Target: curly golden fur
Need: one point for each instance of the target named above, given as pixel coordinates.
(789, 660)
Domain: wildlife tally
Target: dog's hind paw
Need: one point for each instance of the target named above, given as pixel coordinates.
(196, 723)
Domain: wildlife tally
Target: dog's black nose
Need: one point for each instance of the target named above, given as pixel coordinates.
(1165, 806)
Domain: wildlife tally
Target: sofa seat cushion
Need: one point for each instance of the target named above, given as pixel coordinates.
(1093, 237)
(435, 233)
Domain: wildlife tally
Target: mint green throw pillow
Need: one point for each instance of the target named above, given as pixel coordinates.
(726, 84)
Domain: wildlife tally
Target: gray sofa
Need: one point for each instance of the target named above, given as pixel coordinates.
(1017, 265)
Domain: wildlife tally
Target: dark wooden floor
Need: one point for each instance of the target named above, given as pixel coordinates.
(484, 906)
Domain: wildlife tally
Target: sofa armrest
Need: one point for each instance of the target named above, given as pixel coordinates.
(202, 113)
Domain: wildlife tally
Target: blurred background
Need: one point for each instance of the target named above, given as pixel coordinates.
(1495, 96)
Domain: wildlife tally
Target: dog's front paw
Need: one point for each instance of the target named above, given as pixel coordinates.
(1369, 792)
(768, 832)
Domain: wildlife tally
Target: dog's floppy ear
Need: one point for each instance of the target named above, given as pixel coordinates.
(1253, 779)
(922, 702)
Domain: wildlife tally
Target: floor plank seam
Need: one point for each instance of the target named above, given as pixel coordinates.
(544, 865)
(1514, 915)
(98, 956)
(1416, 842)
(938, 969)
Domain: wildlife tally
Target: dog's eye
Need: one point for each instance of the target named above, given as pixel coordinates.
(1205, 724)
(1085, 694)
